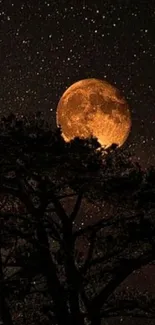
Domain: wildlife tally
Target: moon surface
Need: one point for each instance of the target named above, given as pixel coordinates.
(93, 107)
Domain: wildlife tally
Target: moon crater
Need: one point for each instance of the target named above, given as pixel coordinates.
(92, 107)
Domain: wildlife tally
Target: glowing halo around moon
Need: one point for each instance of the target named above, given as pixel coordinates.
(93, 107)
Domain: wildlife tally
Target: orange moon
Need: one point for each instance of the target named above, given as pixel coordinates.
(93, 107)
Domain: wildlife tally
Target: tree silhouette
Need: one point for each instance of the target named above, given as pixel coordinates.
(52, 269)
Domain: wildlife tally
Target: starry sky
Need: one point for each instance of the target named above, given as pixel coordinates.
(45, 46)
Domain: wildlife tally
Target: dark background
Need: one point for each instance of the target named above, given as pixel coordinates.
(45, 46)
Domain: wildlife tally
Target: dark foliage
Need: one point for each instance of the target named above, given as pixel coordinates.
(45, 275)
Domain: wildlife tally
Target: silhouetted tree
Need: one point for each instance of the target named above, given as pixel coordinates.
(45, 275)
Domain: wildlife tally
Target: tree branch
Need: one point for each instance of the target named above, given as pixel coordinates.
(138, 314)
(124, 270)
(96, 226)
(102, 259)
(90, 252)
(130, 305)
(58, 207)
(76, 207)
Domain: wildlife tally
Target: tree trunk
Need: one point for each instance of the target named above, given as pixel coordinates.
(77, 318)
(95, 320)
(73, 277)
(4, 311)
(4, 308)
(49, 270)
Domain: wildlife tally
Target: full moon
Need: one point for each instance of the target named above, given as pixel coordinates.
(93, 107)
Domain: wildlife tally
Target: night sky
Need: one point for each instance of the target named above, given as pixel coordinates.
(45, 46)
